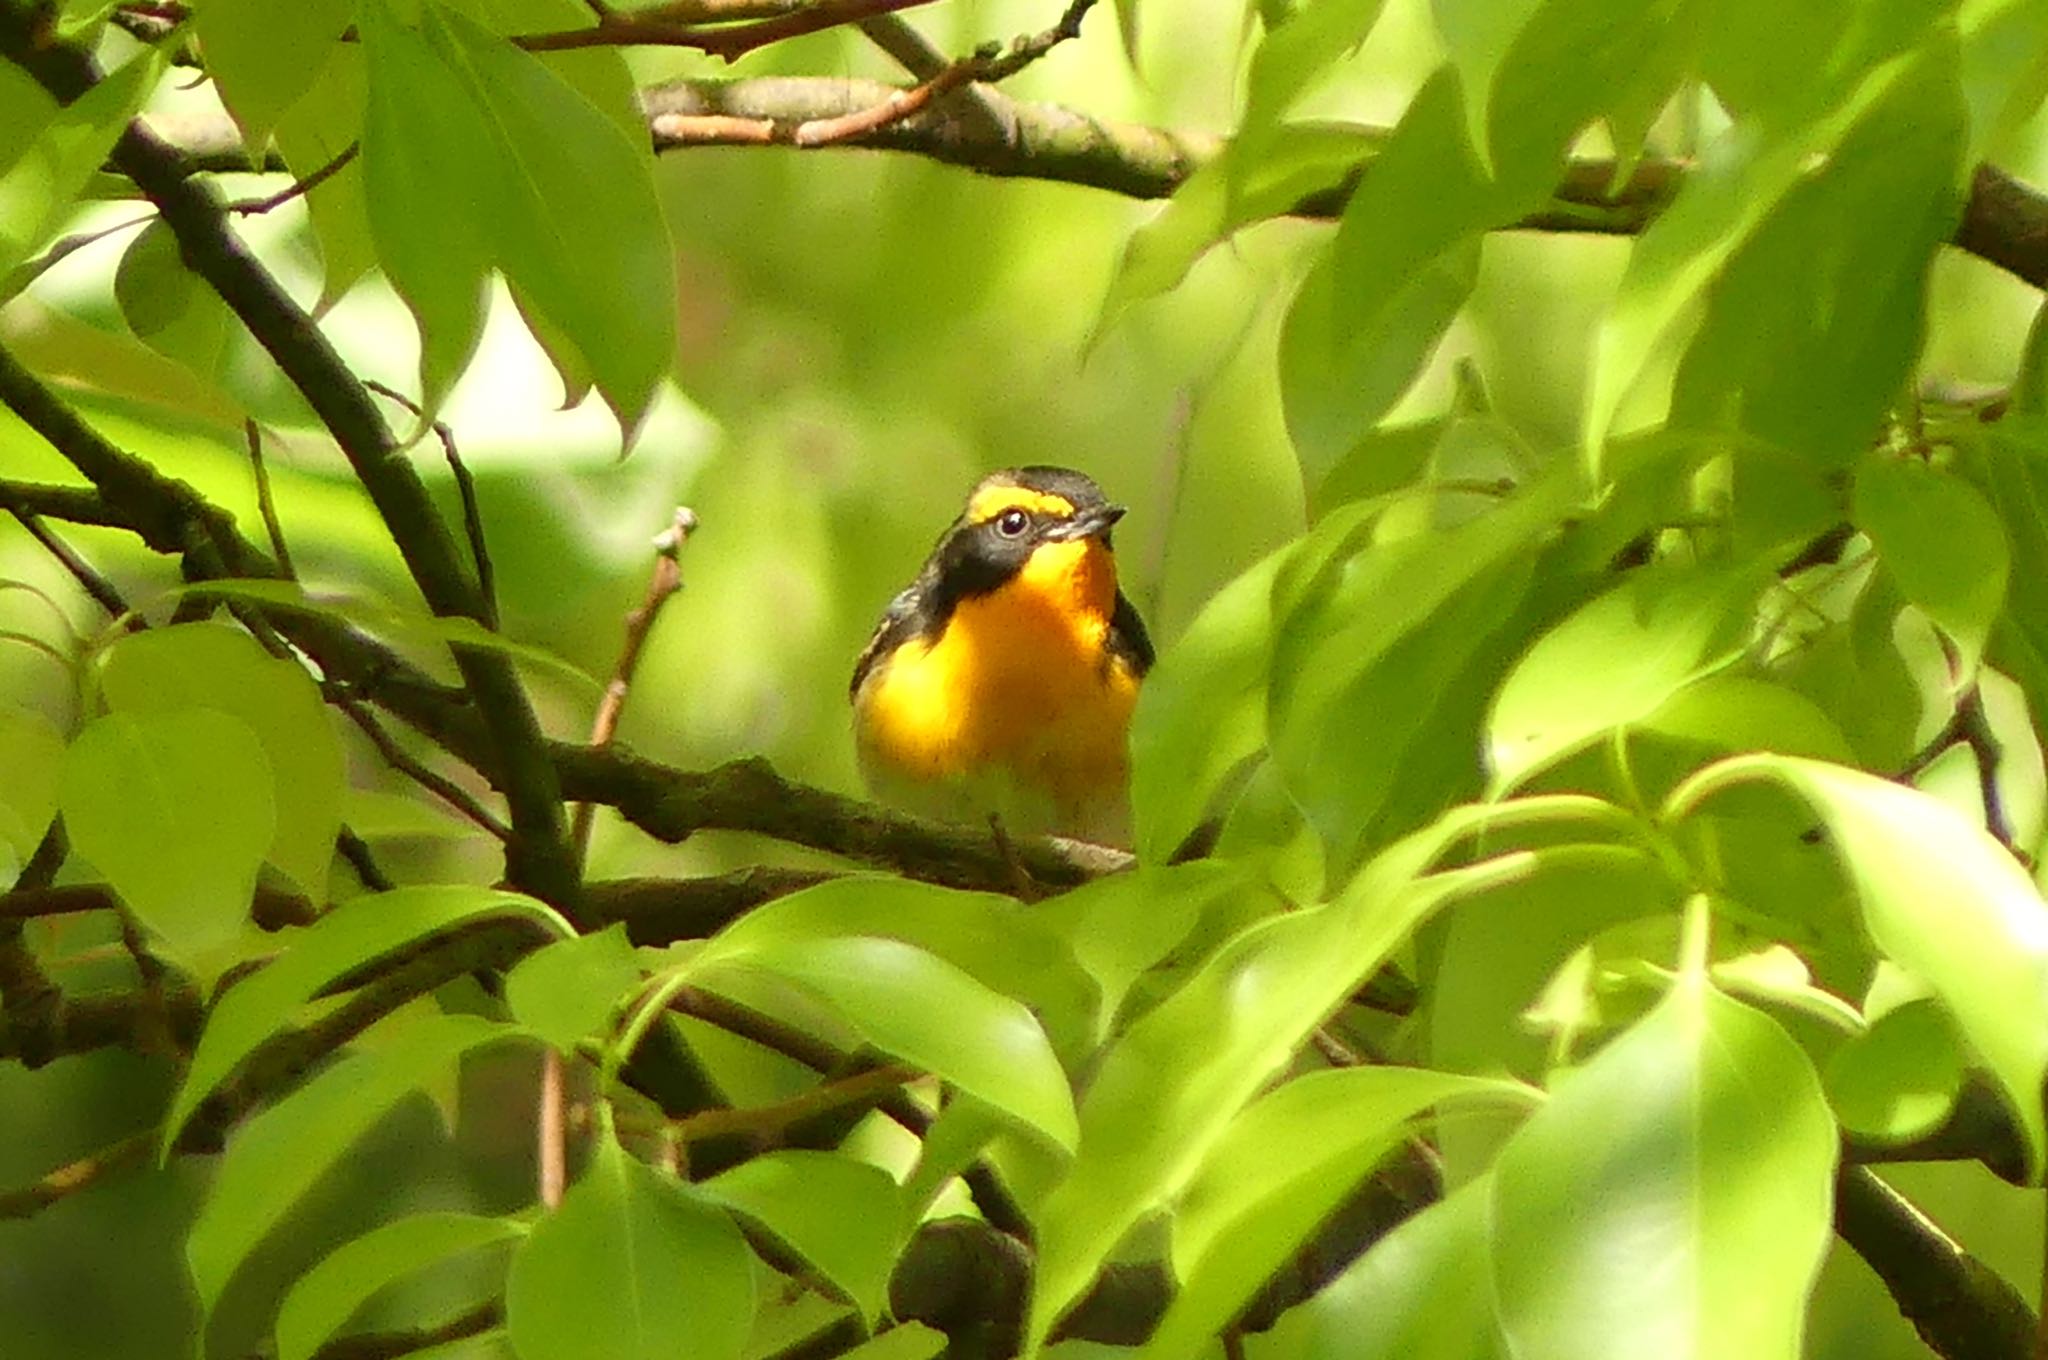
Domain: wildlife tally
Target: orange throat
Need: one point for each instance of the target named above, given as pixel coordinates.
(1019, 688)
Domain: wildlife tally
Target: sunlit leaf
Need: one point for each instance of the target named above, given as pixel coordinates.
(1940, 896)
(1697, 1149)
(1420, 1293)
(842, 1216)
(325, 1297)
(1283, 1165)
(916, 1006)
(1616, 661)
(175, 809)
(350, 937)
(632, 1265)
(264, 56)
(1899, 1081)
(566, 991)
(1942, 544)
(209, 667)
(48, 153)
(32, 753)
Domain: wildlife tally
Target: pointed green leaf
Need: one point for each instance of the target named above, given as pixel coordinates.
(48, 154)
(844, 1217)
(32, 753)
(1941, 543)
(175, 809)
(1202, 711)
(208, 667)
(993, 939)
(1168, 1088)
(329, 1294)
(325, 122)
(1617, 661)
(633, 1266)
(1278, 1171)
(354, 935)
(569, 990)
(1940, 896)
(918, 1007)
(1420, 1293)
(170, 308)
(281, 1153)
(1674, 1196)
(1898, 1081)
(263, 55)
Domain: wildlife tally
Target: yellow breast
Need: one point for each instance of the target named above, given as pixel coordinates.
(1015, 707)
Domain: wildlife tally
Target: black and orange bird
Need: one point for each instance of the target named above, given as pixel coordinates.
(1001, 681)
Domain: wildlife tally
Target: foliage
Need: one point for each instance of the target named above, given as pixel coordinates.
(1584, 836)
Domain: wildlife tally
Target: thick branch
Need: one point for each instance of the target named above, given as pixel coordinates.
(1963, 1309)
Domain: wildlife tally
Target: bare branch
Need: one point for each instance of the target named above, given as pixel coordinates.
(465, 488)
(653, 28)
(301, 187)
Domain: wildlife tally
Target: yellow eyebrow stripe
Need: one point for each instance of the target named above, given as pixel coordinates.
(989, 503)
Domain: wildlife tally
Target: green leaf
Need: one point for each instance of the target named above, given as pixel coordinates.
(1697, 1149)
(325, 122)
(1343, 365)
(48, 154)
(1121, 926)
(1476, 36)
(844, 1217)
(207, 667)
(32, 753)
(1420, 1293)
(352, 936)
(329, 1294)
(1814, 324)
(264, 56)
(2005, 69)
(1201, 712)
(569, 990)
(175, 809)
(281, 1153)
(1373, 642)
(1942, 544)
(995, 940)
(537, 173)
(170, 308)
(1735, 713)
(919, 1008)
(1617, 661)
(1290, 58)
(1940, 896)
(1168, 1088)
(1898, 1082)
(1278, 1171)
(1225, 194)
(631, 1266)
(1740, 178)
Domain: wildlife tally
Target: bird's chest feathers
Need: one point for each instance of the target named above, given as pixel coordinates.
(1018, 677)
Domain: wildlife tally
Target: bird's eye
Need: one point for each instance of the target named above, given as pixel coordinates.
(1012, 523)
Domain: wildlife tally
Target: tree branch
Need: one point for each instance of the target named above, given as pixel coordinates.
(537, 858)
(70, 1179)
(1961, 1307)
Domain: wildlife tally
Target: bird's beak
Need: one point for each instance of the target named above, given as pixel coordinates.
(1089, 523)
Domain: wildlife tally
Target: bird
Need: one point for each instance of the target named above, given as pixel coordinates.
(1000, 682)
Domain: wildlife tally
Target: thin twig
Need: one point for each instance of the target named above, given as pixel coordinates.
(301, 187)
(447, 790)
(551, 1132)
(75, 1176)
(664, 581)
(987, 65)
(727, 41)
(764, 1122)
(465, 487)
(264, 504)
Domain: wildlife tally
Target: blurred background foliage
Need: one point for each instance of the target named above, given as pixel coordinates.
(860, 337)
